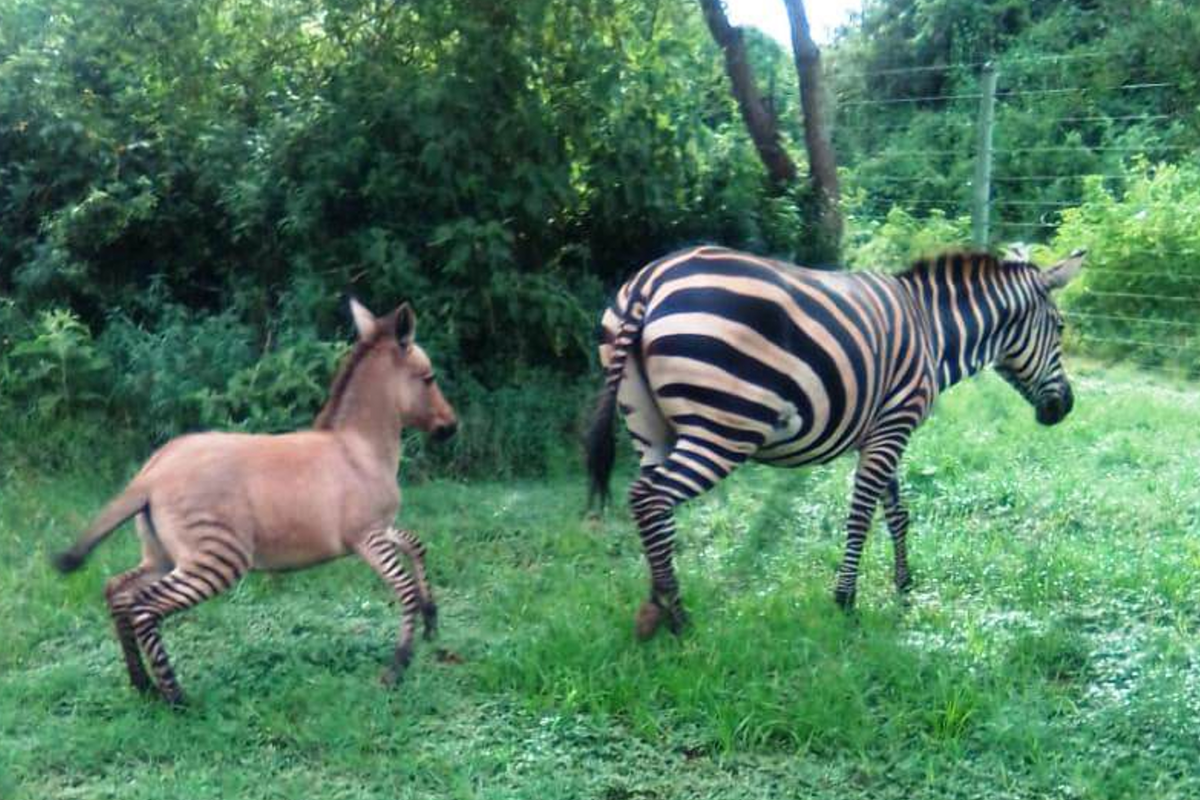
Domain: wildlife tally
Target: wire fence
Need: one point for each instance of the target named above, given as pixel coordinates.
(1040, 164)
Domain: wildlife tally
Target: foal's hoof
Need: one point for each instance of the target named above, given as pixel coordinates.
(400, 661)
(429, 615)
(844, 599)
(141, 682)
(176, 700)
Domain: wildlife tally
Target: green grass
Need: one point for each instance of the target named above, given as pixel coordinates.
(1049, 650)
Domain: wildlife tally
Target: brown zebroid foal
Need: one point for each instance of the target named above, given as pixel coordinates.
(212, 506)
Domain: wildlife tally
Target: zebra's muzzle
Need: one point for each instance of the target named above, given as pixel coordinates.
(1055, 407)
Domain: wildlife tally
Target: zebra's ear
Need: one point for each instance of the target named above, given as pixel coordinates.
(364, 320)
(1019, 252)
(1064, 271)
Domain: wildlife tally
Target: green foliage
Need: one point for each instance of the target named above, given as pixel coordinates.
(56, 368)
(1140, 292)
(902, 238)
(501, 167)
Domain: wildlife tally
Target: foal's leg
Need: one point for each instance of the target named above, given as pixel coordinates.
(119, 594)
(407, 542)
(691, 468)
(876, 469)
(378, 550)
(897, 520)
(183, 587)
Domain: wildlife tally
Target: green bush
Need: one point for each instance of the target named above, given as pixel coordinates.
(55, 369)
(1139, 295)
(902, 238)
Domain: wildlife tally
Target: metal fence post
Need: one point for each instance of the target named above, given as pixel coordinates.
(982, 188)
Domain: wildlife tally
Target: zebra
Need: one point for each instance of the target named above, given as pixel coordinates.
(715, 357)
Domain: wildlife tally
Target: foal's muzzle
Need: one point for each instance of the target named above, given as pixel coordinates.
(1055, 407)
(443, 432)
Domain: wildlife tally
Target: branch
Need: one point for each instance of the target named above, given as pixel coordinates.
(763, 127)
(817, 141)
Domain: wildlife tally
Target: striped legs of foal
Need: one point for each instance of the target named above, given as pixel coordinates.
(183, 587)
(407, 543)
(119, 594)
(690, 469)
(876, 469)
(897, 521)
(381, 552)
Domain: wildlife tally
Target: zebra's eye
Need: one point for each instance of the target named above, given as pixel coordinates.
(428, 380)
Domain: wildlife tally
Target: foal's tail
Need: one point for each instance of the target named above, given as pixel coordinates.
(135, 498)
(599, 441)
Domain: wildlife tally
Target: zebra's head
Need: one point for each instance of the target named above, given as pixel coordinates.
(1032, 359)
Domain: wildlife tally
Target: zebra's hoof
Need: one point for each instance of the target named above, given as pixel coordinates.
(648, 618)
(390, 677)
(844, 599)
(904, 584)
(175, 699)
(678, 621)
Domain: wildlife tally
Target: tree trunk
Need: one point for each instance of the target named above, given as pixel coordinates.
(761, 123)
(821, 160)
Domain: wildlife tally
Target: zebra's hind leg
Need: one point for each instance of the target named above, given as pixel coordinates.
(690, 469)
(408, 543)
(897, 520)
(119, 594)
(876, 469)
(378, 550)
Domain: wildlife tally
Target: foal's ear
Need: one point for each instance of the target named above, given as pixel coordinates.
(406, 324)
(364, 320)
(1064, 272)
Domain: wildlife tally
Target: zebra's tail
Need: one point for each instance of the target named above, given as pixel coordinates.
(121, 508)
(600, 440)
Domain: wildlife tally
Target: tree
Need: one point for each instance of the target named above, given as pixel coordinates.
(817, 141)
(762, 124)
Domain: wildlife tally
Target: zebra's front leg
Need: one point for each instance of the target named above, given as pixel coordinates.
(378, 550)
(876, 469)
(897, 520)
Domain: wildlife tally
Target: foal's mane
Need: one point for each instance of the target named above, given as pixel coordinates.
(341, 382)
(385, 328)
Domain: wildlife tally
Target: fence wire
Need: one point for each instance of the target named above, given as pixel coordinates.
(1128, 314)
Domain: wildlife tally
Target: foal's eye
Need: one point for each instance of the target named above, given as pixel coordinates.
(427, 380)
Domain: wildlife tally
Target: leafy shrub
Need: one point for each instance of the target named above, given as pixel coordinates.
(1139, 295)
(282, 391)
(56, 367)
(171, 374)
(902, 238)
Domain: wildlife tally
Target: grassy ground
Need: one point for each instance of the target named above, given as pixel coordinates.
(1050, 649)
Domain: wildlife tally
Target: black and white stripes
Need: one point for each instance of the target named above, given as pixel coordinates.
(715, 357)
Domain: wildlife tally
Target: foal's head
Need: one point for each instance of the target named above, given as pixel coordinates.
(388, 362)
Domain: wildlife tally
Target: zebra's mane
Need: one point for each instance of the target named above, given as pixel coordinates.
(982, 259)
